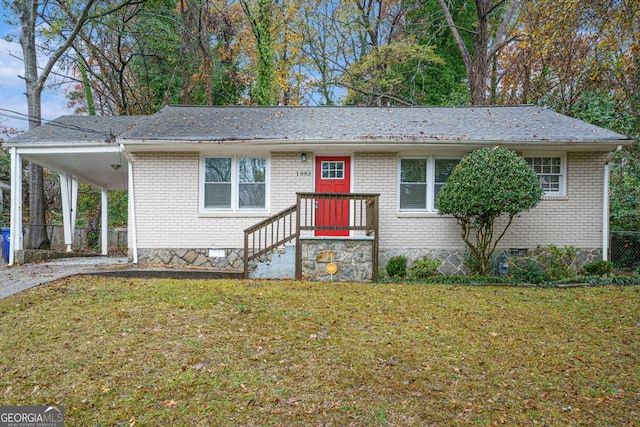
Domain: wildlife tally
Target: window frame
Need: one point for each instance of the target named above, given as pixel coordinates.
(322, 162)
(430, 183)
(235, 183)
(562, 188)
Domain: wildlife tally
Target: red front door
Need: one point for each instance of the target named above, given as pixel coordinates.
(333, 175)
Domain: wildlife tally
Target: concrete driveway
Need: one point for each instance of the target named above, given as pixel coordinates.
(18, 278)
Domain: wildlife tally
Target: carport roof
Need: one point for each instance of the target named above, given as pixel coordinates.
(82, 146)
(88, 130)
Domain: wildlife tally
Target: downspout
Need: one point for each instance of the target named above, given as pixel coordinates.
(132, 206)
(104, 223)
(605, 204)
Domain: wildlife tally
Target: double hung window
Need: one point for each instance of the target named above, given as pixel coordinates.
(420, 180)
(550, 170)
(234, 183)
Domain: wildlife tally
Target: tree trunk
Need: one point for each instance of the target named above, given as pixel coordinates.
(263, 92)
(480, 62)
(477, 66)
(38, 238)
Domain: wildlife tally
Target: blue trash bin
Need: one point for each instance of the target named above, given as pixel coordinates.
(6, 237)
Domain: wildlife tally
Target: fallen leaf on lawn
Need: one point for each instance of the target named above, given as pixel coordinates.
(169, 403)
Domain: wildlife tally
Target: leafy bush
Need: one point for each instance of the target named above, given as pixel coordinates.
(488, 183)
(471, 262)
(531, 272)
(397, 266)
(424, 267)
(599, 268)
(559, 262)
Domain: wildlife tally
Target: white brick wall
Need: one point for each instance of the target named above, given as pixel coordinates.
(167, 201)
(288, 176)
(377, 173)
(167, 205)
(572, 220)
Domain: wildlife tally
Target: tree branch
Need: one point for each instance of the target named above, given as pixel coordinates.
(456, 35)
(378, 95)
(500, 39)
(53, 59)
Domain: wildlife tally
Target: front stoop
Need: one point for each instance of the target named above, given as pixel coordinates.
(352, 258)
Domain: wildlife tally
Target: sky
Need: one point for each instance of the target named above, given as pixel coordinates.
(12, 87)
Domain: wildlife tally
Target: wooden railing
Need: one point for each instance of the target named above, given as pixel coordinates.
(268, 235)
(331, 213)
(322, 214)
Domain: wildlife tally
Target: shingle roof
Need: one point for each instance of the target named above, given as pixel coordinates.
(508, 123)
(79, 129)
(337, 124)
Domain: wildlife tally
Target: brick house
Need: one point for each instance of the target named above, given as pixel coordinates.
(199, 177)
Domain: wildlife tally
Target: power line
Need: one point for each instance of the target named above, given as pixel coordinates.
(26, 117)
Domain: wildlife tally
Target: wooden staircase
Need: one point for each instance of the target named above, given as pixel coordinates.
(313, 213)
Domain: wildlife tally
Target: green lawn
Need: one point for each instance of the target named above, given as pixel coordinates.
(123, 352)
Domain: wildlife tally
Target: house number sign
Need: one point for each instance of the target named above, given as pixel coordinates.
(303, 173)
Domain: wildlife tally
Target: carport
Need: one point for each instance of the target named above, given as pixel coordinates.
(78, 149)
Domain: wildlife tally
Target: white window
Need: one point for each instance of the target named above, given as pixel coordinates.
(550, 170)
(413, 184)
(332, 170)
(234, 183)
(420, 181)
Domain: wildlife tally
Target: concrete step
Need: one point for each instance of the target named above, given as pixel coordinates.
(280, 264)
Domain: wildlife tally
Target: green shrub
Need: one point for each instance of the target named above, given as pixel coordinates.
(599, 268)
(559, 262)
(424, 267)
(471, 263)
(397, 266)
(531, 272)
(487, 184)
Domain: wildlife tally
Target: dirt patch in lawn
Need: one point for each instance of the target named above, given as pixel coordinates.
(221, 352)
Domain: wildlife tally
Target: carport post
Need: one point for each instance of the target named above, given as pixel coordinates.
(69, 193)
(105, 223)
(16, 205)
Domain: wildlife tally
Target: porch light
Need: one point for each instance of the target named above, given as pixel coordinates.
(115, 166)
(303, 157)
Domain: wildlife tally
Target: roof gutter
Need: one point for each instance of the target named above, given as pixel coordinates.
(149, 145)
(605, 203)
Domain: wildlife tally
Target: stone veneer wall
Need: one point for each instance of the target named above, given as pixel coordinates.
(453, 261)
(353, 257)
(233, 258)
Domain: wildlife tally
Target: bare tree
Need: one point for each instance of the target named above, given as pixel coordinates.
(493, 31)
